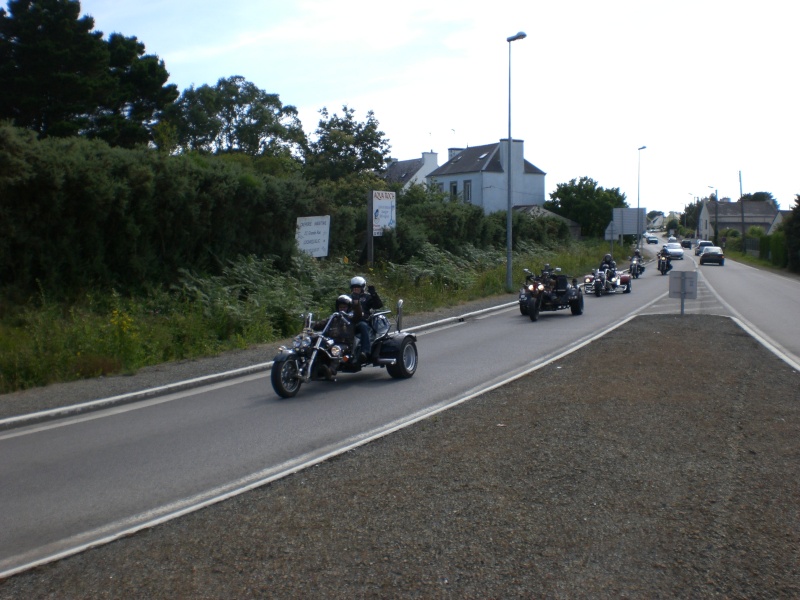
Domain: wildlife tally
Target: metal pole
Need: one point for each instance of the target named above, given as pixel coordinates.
(509, 283)
(638, 187)
(741, 205)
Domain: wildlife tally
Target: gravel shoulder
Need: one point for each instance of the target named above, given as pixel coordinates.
(632, 468)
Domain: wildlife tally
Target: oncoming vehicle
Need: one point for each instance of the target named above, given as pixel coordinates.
(698, 249)
(651, 239)
(323, 349)
(675, 250)
(712, 254)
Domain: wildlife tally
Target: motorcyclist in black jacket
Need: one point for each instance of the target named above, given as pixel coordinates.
(365, 300)
(665, 253)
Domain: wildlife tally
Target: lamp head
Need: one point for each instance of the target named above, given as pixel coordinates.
(520, 36)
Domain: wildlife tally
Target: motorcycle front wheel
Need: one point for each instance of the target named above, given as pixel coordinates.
(533, 308)
(285, 380)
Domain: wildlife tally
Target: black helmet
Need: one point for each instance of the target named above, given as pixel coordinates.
(607, 258)
(346, 300)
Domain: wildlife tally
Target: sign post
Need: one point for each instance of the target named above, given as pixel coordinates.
(683, 284)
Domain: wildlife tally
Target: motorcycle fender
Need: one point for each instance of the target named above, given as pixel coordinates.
(392, 345)
(284, 355)
(624, 279)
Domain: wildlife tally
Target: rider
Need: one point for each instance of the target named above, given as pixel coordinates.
(665, 253)
(608, 263)
(637, 254)
(365, 300)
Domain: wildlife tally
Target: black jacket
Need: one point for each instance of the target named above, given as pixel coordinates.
(364, 304)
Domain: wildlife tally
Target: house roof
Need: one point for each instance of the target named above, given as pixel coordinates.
(752, 209)
(476, 159)
(401, 171)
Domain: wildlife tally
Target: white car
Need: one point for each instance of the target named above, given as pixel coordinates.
(675, 250)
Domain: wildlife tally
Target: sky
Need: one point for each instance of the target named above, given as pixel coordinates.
(710, 87)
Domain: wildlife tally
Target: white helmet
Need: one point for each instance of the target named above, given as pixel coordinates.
(358, 282)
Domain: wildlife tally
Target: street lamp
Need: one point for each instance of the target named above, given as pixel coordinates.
(638, 187)
(716, 215)
(520, 36)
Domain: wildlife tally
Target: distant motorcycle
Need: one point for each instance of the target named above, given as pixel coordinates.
(663, 264)
(636, 267)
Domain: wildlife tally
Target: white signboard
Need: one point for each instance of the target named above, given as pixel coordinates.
(383, 212)
(312, 235)
(683, 284)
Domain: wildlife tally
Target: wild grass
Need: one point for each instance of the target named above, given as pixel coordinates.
(249, 303)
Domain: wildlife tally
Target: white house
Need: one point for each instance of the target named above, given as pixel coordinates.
(409, 172)
(479, 175)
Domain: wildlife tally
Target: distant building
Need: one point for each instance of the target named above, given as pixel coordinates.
(479, 175)
(729, 215)
(780, 218)
(409, 172)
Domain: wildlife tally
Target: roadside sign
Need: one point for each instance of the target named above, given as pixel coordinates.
(683, 284)
(312, 235)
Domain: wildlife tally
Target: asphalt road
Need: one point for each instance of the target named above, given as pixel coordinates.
(75, 482)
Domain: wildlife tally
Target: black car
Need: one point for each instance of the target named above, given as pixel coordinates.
(712, 254)
(686, 243)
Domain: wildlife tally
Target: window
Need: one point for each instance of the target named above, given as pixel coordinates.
(453, 190)
(468, 191)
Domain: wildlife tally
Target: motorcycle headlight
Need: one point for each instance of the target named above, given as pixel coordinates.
(540, 287)
(301, 341)
(336, 351)
(531, 287)
(587, 280)
(613, 280)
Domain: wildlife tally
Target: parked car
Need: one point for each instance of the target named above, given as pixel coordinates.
(686, 243)
(712, 254)
(700, 245)
(651, 239)
(675, 250)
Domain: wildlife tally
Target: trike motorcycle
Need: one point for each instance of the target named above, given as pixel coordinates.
(549, 291)
(326, 348)
(607, 281)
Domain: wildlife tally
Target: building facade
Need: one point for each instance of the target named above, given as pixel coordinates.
(479, 175)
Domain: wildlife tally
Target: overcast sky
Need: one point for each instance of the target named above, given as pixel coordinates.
(709, 86)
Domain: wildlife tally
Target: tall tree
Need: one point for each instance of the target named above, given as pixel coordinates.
(586, 203)
(60, 78)
(237, 116)
(344, 146)
(792, 230)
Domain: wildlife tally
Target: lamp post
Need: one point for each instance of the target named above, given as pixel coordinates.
(638, 188)
(716, 215)
(519, 36)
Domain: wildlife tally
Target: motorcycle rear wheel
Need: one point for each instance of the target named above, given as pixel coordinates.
(406, 363)
(285, 380)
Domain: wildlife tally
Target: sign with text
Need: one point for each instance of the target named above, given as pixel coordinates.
(312, 235)
(383, 212)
